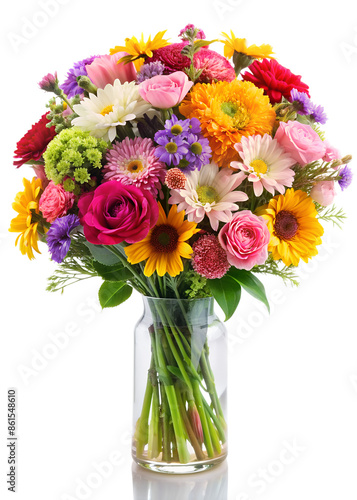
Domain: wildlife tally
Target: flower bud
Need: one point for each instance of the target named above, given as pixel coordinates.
(85, 83)
(49, 82)
(323, 192)
(195, 421)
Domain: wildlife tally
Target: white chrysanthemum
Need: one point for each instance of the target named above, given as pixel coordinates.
(112, 106)
(209, 191)
(266, 163)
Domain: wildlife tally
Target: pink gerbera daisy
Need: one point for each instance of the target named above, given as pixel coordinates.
(133, 161)
(266, 163)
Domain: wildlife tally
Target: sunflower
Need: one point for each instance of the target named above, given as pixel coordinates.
(294, 228)
(233, 44)
(228, 111)
(165, 244)
(138, 50)
(24, 203)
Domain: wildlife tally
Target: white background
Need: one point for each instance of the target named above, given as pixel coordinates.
(292, 375)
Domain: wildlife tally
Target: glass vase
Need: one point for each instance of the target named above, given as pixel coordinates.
(180, 386)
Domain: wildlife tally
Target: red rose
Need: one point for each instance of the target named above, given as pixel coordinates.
(114, 213)
(34, 142)
(276, 80)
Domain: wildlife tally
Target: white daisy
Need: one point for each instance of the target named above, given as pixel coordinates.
(112, 106)
(209, 191)
(266, 163)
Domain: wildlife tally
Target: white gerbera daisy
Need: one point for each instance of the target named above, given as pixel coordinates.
(209, 191)
(266, 163)
(112, 106)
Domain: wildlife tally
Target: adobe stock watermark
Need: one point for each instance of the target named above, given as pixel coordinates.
(57, 342)
(99, 471)
(254, 319)
(32, 25)
(225, 7)
(349, 49)
(259, 481)
(353, 380)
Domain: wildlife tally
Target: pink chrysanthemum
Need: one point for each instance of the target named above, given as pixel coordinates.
(133, 161)
(175, 179)
(209, 258)
(213, 65)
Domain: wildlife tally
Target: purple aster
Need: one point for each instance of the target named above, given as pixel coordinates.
(70, 86)
(195, 126)
(150, 70)
(346, 177)
(58, 236)
(199, 152)
(319, 115)
(174, 128)
(171, 150)
(301, 101)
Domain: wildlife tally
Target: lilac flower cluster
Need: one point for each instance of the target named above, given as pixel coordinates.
(150, 70)
(58, 236)
(70, 87)
(181, 144)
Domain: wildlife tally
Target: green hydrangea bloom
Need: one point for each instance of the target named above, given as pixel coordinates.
(74, 154)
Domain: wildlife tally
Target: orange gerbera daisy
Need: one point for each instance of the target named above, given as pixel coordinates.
(294, 228)
(165, 244)
(227, 111)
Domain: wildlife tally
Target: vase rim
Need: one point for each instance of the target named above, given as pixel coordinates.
(177, 299)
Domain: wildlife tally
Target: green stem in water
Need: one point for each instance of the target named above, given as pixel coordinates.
(141, 434)
(201, 411)
(193, 439)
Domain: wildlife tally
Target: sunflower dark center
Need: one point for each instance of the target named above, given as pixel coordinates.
(286, 225)
(164, 238)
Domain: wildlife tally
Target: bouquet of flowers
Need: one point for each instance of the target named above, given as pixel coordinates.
(182, 173)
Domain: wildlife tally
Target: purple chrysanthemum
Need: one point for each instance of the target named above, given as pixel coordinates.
(150, 70)
(301, 101)
(346, 177)
(319, 115)
(199, 151)
(70, 86)
(171, 150)
(58, 236)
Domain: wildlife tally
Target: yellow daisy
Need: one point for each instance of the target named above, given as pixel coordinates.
(227, 111)
(139, 49)
(26, 201)
(165, 244)
(233, 44)
(294, 228)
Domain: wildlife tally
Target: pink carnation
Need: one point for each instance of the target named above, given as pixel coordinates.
(209, 259)
(302, 142)
(55, 202)
(331, 153)
(245, 239)
(213, 65)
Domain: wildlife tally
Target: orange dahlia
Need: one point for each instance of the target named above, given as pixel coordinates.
(294, 229)
(227, 112)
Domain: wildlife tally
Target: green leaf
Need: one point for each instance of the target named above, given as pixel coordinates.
(227, 292)
(116, 272)
(176, 371)
(113, 293)
(202, 43)
(101, 254)
(250, 283)
(164, 376)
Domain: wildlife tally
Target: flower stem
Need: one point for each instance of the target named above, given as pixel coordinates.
(194, 441)
(202, 414)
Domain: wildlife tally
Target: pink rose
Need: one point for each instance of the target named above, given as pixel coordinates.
(245, 238)
(165, 91)
(331, 153)
(55, 202)
(106, 69)
(300, 141)
(323, 192)
(114, 213)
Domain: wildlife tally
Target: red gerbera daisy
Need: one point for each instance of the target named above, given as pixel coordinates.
(213, 65)
(276, 80)
(34, 142)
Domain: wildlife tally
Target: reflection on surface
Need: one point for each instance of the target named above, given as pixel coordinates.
(209, 485)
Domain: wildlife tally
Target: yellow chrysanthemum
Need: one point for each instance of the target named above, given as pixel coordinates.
(139, 48)
(165, 244)
(233, 44)
(294, 228)
(26, 201)
(227, 111)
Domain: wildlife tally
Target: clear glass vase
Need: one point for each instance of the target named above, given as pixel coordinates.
(180, 386)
